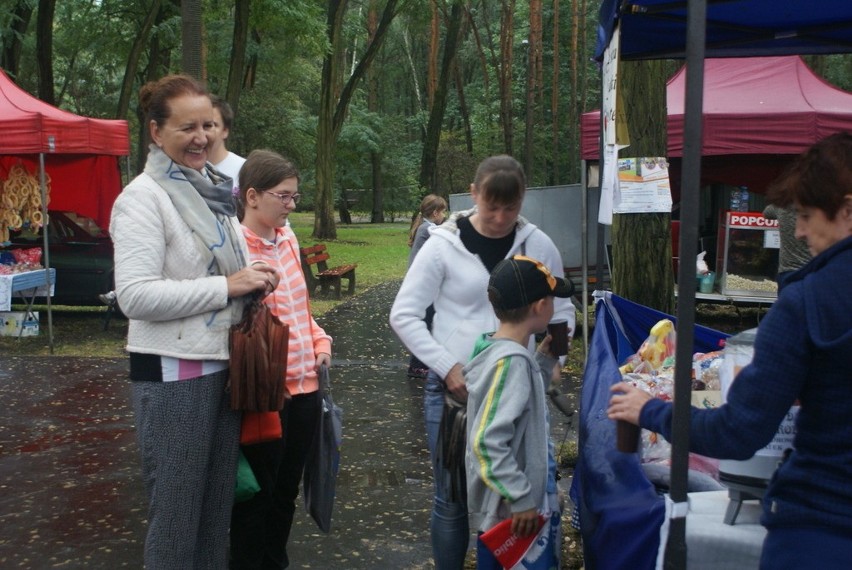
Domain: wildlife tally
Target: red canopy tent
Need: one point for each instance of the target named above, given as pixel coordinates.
(80, 153)
(755, 109)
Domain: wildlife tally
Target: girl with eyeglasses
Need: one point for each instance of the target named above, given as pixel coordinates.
(260, 527)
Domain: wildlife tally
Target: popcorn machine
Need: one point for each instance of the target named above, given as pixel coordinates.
(748, 254)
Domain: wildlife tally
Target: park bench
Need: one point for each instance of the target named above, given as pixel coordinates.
(326, 278)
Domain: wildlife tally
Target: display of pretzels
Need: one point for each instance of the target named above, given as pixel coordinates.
(20, 201)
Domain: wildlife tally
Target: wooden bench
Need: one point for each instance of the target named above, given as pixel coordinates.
(326, 278)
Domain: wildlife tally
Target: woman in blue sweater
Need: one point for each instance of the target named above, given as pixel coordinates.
(803, 351)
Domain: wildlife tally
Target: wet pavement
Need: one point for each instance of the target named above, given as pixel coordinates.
(70, 491)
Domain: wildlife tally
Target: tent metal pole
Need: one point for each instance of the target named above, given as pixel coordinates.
(675, 557)
(46, 252)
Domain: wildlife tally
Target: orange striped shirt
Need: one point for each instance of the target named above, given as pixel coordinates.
(289, 302)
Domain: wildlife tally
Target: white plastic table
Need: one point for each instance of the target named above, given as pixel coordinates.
(26, 286)
(713, 545)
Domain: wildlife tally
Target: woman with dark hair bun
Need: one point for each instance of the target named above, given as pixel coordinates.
(181, 278)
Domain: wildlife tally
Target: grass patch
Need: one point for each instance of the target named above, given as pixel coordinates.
(77, 331)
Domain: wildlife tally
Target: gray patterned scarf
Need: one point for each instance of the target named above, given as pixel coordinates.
(206, 205)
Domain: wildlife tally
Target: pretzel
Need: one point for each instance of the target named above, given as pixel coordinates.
(21, 201)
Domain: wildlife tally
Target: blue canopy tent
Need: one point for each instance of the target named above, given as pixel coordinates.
(656, 29)
(691, 29)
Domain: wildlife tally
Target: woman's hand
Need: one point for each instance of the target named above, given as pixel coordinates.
(455, 383)
(627, 403)
(257, 277)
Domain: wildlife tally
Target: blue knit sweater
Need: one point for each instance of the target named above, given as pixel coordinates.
(803, 351)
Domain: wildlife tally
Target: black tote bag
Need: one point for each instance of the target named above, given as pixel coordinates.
(323, 463)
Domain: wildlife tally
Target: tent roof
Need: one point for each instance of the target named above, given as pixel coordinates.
(758, 105)
(656, 29)
(31, 126)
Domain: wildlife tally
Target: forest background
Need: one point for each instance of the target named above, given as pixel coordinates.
(378, 101)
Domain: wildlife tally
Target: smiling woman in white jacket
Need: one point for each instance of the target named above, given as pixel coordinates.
(181, 277)
(451, 271)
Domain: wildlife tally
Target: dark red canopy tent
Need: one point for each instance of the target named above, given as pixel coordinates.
(80, 153)
(758, 112)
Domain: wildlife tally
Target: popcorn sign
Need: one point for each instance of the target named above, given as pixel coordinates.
(753, 220)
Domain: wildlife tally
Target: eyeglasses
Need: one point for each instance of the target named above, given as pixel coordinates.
(286, 198)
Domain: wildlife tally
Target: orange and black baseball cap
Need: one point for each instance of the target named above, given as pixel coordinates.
(521, 280)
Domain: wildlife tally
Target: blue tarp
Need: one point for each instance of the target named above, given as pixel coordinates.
(620, 511)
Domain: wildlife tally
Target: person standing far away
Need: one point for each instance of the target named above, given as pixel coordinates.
(260, 527)
(433, 209)
(223, 160)
(793, 252)
(451, 271)
(182, 280)
(508, 428)
(802, 353)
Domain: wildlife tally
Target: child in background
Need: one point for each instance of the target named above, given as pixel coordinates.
(433, 209)
(509, 472)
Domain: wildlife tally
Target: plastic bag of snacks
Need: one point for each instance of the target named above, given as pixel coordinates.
(705, 370)
(657, 351)
(30, 256)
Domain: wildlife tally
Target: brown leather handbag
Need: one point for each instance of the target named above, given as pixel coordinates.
(258, 360)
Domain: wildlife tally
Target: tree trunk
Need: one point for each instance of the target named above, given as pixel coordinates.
(158, 64)
(242, 12)
(250, 75)
(429, 159)
(507, 37)
(44, 50)
(13, 37)
(641, 243)
(324, 227)
(533, 58)
(434, 48)
(133, 58)
(377, 215)
(414, 75)
(554, 99)
(331, 115)
(578, 28)
(465, 112)
(191, 40)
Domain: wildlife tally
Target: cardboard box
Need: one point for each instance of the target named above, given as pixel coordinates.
(706, 398)
(14, 324)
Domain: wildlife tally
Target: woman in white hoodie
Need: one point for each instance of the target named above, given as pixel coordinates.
(451, 272)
